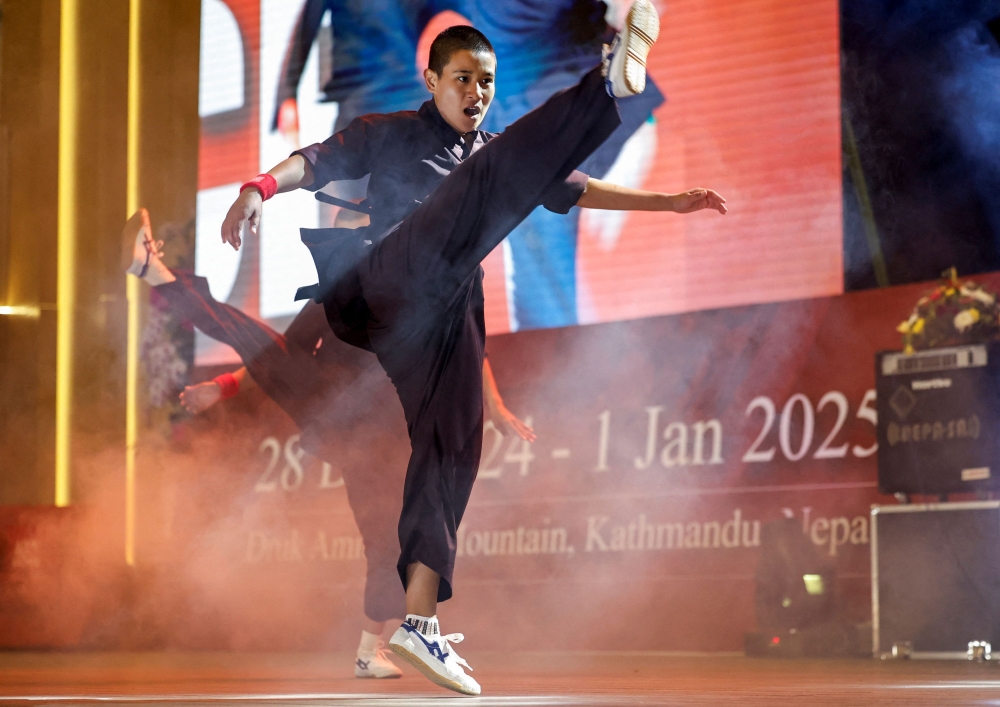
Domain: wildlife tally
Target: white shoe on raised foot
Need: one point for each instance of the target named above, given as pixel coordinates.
(435, 658)
(625, 61)
(375, 665)
(138, 246)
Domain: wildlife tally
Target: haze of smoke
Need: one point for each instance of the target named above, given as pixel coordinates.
(918, 77)
(969, 87)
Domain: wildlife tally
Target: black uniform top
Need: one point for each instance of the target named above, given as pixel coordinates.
(407, 155)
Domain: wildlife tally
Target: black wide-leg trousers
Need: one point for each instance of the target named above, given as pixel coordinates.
(327, 401)
(425, 325)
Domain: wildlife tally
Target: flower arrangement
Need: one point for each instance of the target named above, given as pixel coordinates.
(953, 313)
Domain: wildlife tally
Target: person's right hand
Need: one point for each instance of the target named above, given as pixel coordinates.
(507, 422)
(198, 398)
(246, 209)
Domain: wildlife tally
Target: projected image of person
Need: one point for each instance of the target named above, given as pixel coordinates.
(442, 194)
(370, 60)
(340, 399)
(543, 46)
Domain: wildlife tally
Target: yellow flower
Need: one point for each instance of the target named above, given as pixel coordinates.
(965, 319)
(918, 326)
(907, 326)
(908, 349)
(950, 292)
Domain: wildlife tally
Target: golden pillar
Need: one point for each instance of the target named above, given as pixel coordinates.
(74, 162)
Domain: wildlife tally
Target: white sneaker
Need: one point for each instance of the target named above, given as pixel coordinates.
(433, 657)
(375, 665)
(625, 61)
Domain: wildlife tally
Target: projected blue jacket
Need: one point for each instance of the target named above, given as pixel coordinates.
(371, 61)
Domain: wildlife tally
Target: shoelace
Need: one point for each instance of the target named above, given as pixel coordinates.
(607, 54)
(455, 638)
(152, 247)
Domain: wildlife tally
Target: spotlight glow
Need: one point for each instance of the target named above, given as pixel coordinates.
(132, 284)
(66, 238)
(20, 311)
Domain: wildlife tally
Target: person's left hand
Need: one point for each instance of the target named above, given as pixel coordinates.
(698, 199)
(507, 422)
(198, 398)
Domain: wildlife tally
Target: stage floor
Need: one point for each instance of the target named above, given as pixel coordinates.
(527, 679)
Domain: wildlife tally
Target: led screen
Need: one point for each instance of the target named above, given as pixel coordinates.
(744, 98)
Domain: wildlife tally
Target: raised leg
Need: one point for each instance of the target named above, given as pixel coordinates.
(286, 372)
(299, 382)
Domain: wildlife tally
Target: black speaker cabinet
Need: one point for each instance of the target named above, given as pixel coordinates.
(935, 577)
(938, 420)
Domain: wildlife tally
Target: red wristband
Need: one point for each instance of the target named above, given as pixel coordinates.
(228, 385)
(265, 184)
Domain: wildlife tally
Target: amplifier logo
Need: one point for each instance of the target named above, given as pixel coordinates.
(902, 402)
(964, 428)
(931, 384)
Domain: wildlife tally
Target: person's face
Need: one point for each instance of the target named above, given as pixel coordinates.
(464, 90)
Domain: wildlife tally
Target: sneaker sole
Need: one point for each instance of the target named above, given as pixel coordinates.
(434, 677)
(642, 29)
(129, 235)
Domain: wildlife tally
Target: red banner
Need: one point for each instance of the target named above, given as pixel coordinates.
(634, 522)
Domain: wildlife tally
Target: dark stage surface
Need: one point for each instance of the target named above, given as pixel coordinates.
(526, 679)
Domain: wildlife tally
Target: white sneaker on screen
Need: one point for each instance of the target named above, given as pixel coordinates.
(375, 664)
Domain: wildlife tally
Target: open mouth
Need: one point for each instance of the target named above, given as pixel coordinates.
(472, 111)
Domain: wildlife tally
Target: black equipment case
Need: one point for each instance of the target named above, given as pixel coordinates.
(935, 577)
(939, 415)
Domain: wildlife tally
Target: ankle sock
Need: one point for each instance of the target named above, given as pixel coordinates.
(369, 642)
(426, 625)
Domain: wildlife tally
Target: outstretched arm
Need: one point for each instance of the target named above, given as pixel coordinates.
(293, 173)
(503, 418)
(343, 155)
(604, 195)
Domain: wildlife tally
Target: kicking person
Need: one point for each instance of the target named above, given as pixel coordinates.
(442, 194)
(327, 388)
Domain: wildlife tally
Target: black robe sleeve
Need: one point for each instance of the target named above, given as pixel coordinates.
(345, 155)
(562, 196)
